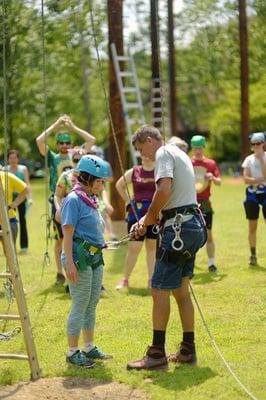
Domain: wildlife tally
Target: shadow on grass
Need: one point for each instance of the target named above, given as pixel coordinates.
(200, 278)
(75, 377)
(143, 292)
(183, 377)
(257, 268)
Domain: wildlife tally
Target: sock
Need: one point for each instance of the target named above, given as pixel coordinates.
(71, 351)
(158, 338)
(88, 346)
(211, 261)
(188, 337)
(253, 251)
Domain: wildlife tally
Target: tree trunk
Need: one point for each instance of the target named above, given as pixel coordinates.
(115, 27)
(243, 41)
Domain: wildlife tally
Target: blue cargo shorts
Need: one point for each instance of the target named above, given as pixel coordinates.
(168, 274)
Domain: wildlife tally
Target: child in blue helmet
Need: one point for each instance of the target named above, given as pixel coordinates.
(254, 172)
(82, 258)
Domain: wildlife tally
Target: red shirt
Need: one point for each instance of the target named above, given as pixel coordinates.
(143, 183)
(203, 185)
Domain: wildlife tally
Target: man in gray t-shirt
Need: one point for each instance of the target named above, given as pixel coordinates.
(182, 233)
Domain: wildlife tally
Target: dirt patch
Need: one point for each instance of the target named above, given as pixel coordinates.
(70, 388)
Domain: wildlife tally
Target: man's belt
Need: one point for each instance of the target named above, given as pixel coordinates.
(184, 210)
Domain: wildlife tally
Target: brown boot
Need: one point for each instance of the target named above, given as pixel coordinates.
(185, 355)
(154, 359)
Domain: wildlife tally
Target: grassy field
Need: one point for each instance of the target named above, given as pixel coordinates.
(232, 301)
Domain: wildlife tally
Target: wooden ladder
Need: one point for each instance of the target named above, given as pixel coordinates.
(13, 274)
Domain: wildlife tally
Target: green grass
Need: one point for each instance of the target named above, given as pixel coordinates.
(232, 302)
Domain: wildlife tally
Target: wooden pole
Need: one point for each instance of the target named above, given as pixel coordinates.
(244, 72)
(115, 29)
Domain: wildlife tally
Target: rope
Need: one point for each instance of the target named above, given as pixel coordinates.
(46, 258)
(5, 336)
(214, 344)
(100, 68)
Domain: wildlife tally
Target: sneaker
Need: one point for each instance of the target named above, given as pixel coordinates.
(123, 284)
(154, 359)
(252, 260)
(185, 355)
(60, 279)
(96, 353)
(79, 359)
(212, 268)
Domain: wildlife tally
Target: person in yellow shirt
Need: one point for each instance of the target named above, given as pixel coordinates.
(11, 184)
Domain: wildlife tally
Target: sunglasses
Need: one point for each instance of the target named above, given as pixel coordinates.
(67, 143)
(257, 144)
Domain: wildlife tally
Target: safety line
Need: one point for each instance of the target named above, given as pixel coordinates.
(109, 110)
(46, 258)
(214, 344)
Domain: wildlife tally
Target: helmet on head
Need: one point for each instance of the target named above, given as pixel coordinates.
(63, 137)
(198, 141)
(257, 137)
(93, 165)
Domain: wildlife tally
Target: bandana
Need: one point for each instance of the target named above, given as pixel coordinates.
(91, 201)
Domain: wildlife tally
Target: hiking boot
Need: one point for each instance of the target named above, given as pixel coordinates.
(252, 260)
(60, 279)
(79, 359)
(96, 353)
(212, 268)
(123, 284)
(185, 355)
(154, 359)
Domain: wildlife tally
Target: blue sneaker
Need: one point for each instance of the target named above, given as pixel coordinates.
(96, 353)
(79, 359)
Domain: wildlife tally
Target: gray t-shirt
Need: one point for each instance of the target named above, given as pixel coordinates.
(171, 162)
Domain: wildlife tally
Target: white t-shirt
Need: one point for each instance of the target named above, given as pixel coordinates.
(171, 162)
(253, 164)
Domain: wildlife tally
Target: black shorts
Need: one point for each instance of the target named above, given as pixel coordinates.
(252, 210)
(148, 235)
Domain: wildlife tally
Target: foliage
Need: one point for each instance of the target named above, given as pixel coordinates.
(232, 302)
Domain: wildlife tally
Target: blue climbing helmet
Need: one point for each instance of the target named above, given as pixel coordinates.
(93, 165)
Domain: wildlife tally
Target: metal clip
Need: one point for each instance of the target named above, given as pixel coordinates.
(177, 242)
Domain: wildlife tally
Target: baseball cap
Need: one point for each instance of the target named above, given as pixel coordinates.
(257, 137)
(197, 141)
(63, 137)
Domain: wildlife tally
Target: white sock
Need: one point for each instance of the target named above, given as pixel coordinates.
(71, 351)
(88, 346)
(211, 261)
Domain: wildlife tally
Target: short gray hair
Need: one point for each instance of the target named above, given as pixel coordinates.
(144, 131)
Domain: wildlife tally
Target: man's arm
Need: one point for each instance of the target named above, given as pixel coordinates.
(87, 137)
(160, 197)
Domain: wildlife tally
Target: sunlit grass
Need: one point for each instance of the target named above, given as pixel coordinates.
(232, 302)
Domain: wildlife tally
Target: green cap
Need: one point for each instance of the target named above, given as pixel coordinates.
(197, 141)
(63, 137)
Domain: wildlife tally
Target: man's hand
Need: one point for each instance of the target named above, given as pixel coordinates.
(139, 228)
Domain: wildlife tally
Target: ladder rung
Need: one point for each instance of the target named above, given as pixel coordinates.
(9, 316)
(156, 99)
(129, 90)
(157, 119)
(132, 105)
(5, 275)
(15, 356)
(156, 90)
(125, 73)
(156, 109)
(156, 80)
(123, 58)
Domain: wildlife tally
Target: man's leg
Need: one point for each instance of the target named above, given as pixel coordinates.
(187, 352)
(60, 278)
(210, 247)
(252, 233)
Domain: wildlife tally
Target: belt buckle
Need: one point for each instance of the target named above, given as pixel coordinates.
(93, 250)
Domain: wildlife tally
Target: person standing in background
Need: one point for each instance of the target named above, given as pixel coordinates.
(206, 172)
(254, 172)
(21, 171)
